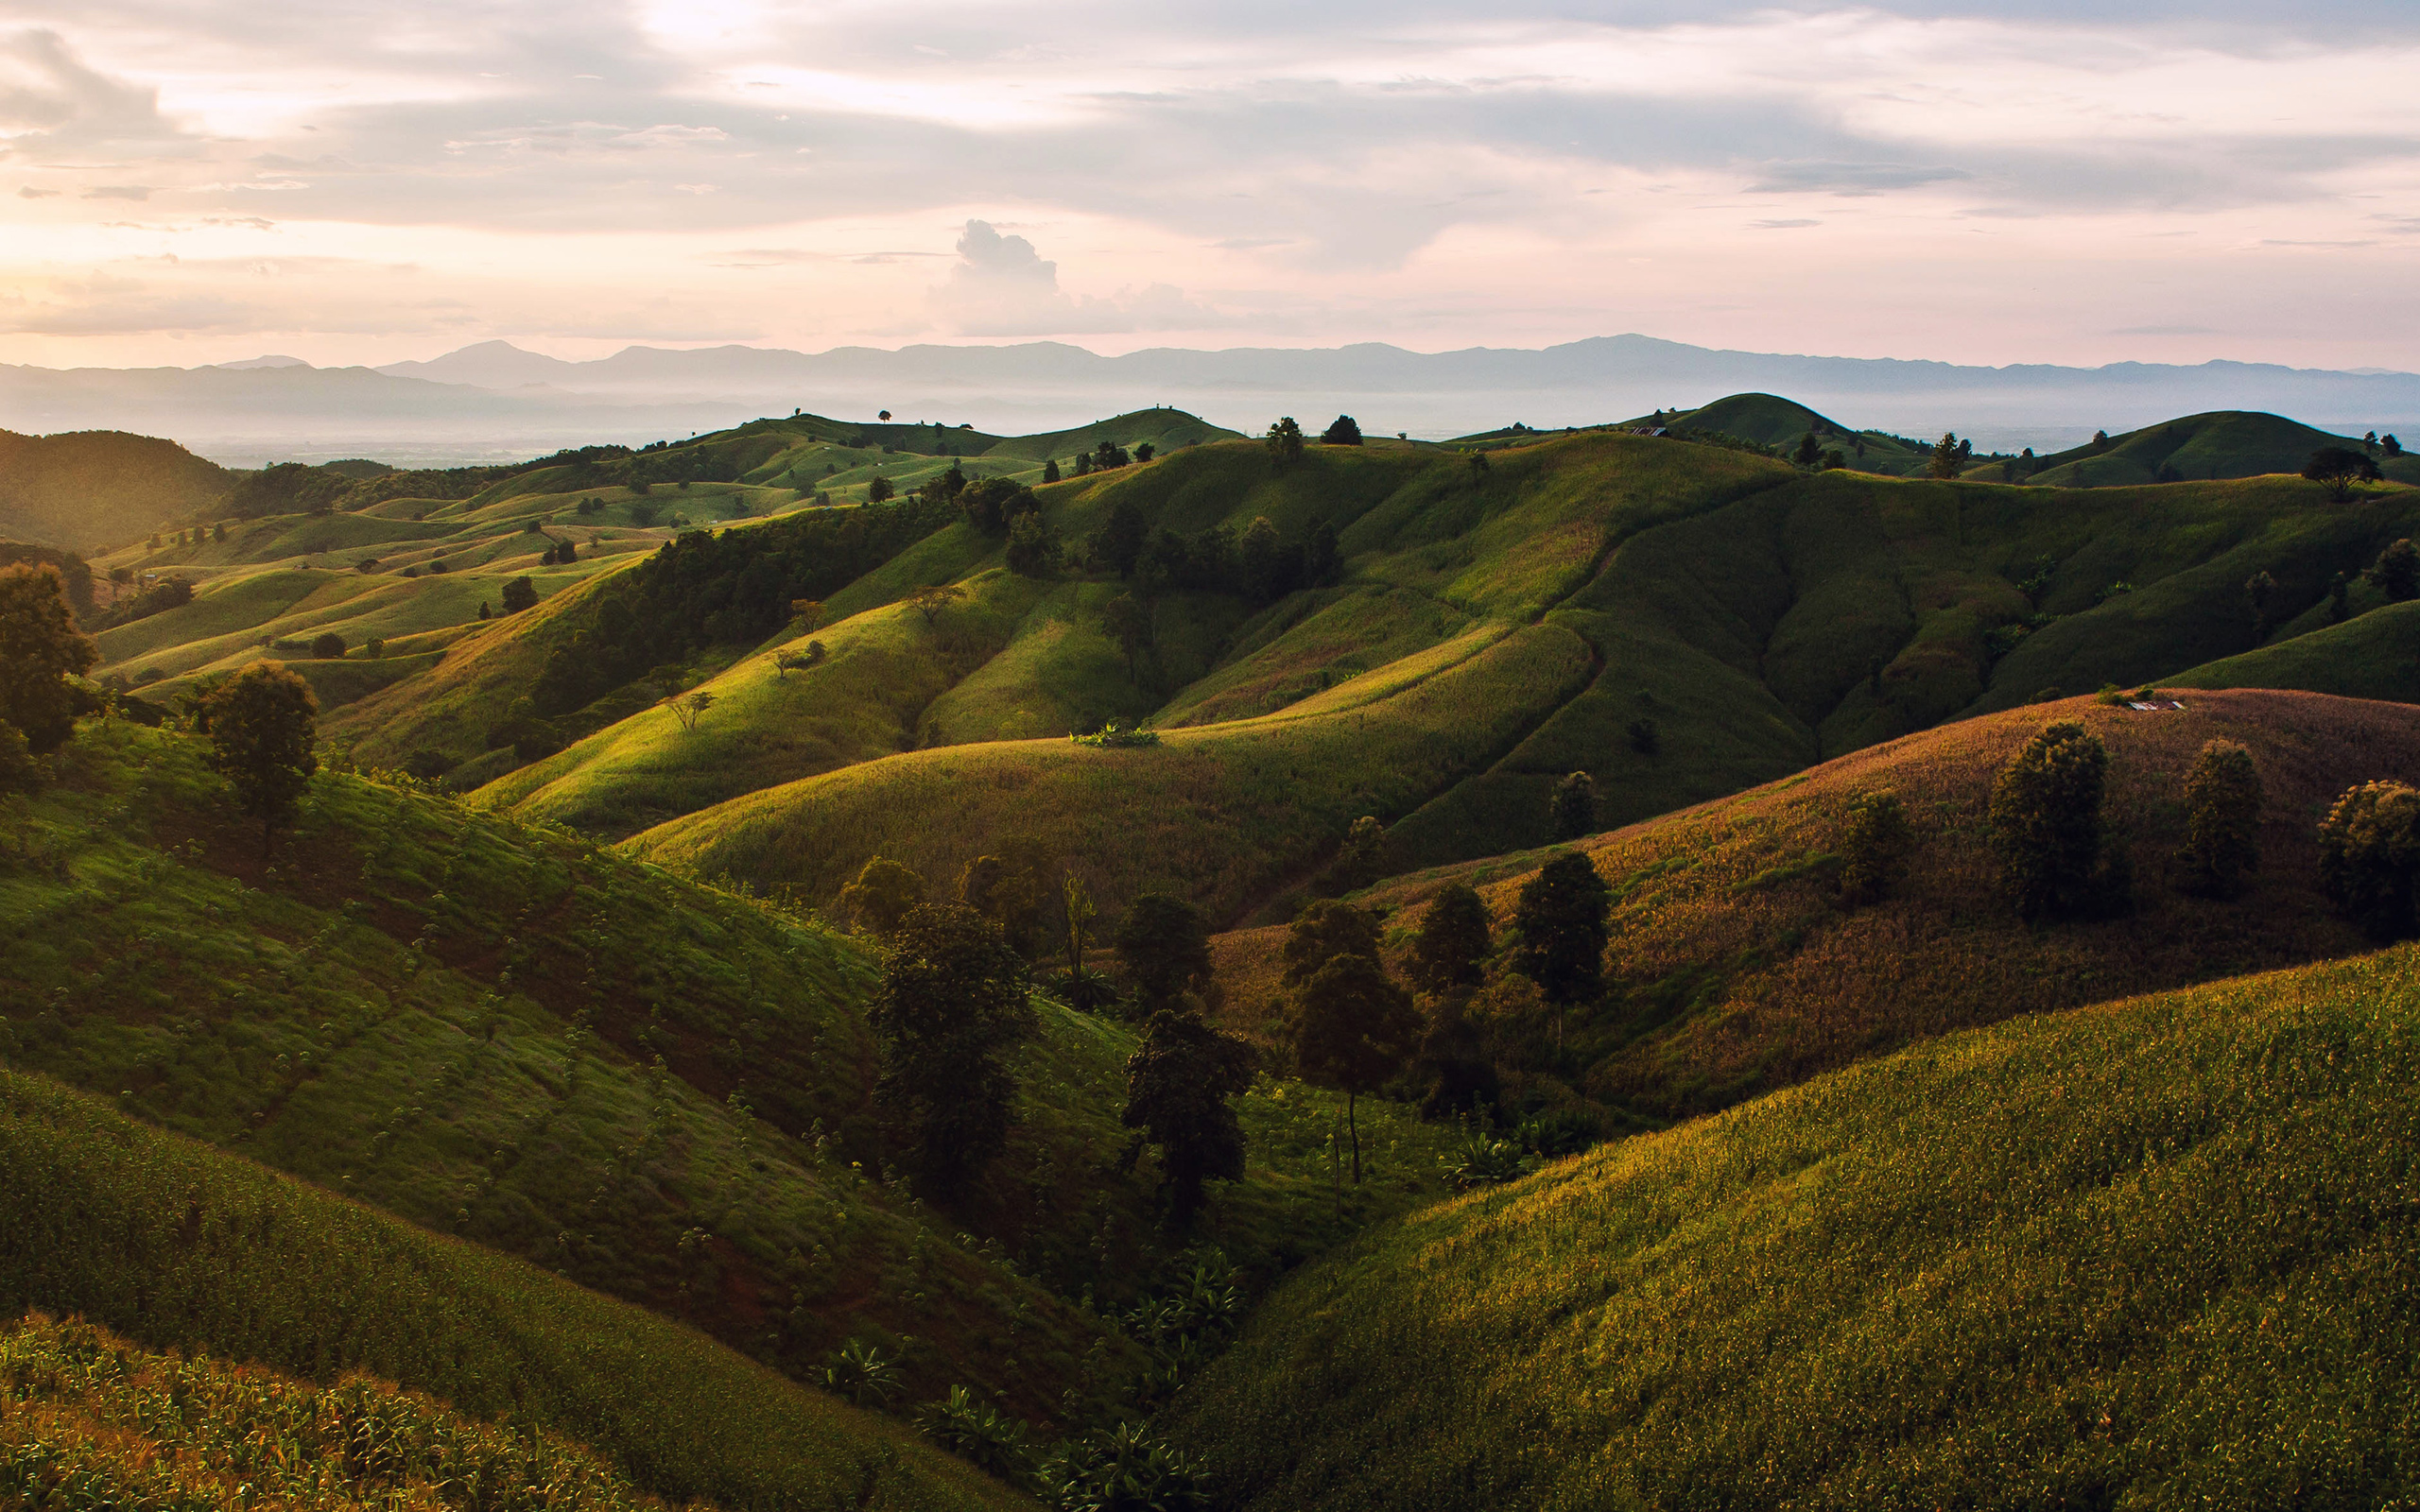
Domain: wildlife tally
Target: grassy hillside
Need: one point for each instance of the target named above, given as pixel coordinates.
(89, 489)
(2222, 444)
(1735, 968)
(95, 1420)
(177, 1246)
(662, 1092)
(2376, 655)
(2156, 1254)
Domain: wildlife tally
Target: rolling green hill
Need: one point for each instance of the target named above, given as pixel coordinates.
(502, 1032)
(2222, 444)
(2155, 1254)
(177, 1246)
(89, 489)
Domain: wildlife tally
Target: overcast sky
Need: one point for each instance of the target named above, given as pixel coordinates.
(195, 181)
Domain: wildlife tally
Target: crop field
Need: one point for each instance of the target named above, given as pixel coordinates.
(2159, 1253)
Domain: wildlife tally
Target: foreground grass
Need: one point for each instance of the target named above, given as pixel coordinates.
(2160, 1254)
(93, 1420)
(177, 1246)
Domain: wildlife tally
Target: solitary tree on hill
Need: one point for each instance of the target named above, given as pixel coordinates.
(2340, 467)
(40, 649)
(691, 709)
(1322, 932)
(1164, 945)
(1145, 451)
(1452, 941)
(1354, 1030)
(1285, 441)
(951, 1005)
(884, 893)
(1946, 457)
(1560, 919)
(2046, 826)
(327, 647)
(520, 593)
(1811, 451)
(1178, 1085)
(1343, 431)
(2369, 852)
(1874, 849)
(262, 723)
(2222, 803)
(2261, 591)
(934, 597)
(2397, 570)
(878, 490)
(1571, 812)
(1049, 469)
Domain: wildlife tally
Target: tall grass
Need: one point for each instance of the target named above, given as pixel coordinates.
(2162, 1254)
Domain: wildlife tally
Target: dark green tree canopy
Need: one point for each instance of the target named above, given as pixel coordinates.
(2369, 852)
(40, 649)
(2397, 570)
(262, 723)
(883, 894)
(1452, 941)
(2223, 803)
(1325, 931)
(520, 593)
(1285, 441)
(951, 1004)
(1119, 544)
(2046, 825)
(1875, 849)
(1571, 811)
(1560, 919)
(1164, 945)
(2340, 467)
(994, 504)
(1354, 1030)
(1343, 431)
(1179, 1085)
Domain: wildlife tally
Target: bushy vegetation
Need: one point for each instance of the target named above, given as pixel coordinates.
(2153, 1254)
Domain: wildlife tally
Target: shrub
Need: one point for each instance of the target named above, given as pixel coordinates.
(327, 647)
(1115, 735)
(1646, 736)
(883, 894)
(2369, 851)
(374, 648)
(861, 1374)
(980, 1435)
(427, 766)
(2397, 570)
(2222, 803)
(520, 593)
(1123, 1470)
(19, 771)
(1874, 849)
(2045, 827)
(1571, 813)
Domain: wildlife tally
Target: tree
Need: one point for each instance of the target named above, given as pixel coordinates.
(519, 595)
(1261, 558)
(1285, 441)
(1007, 889)
(1033, 550)
(1945, 457)
(40, 649)
(1874, 849)
(951, 1005)
(1178, 1085)
(2397, 570)
(374, 648)
(1453, 1062)
(2385, 443)
(1360, 860)
(990, 506)
(1323, 559)
(1571, 811)
(1076, 902)
(1343, 431)
(1049, 469)
(1559, 919)
(1121, 538)
(2340, 467)
(1145, 451)
(262, 723)
(1322, 932)
(1452, 941)
(327, 647)
(1811, 451)
(2046, 826)
(884, 893)
(1646, 735)
(2259, 592)
(691, 709)
(1353, 1029)
(19, 772)
(2369, 852)
(2223, 803)
(1108, 456)
(931, 599)
(880, 490)
(1164, 945)
(1127, 619)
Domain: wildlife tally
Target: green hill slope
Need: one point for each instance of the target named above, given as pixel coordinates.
(178, 1245)
(2373, 655)
(88, 489)
(2222, 444)
(2156, 1254)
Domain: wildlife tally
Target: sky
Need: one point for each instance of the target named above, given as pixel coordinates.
(187, 182)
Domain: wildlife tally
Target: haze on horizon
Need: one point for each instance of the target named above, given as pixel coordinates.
(1944, 179)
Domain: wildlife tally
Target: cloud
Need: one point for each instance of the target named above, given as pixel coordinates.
(1000, 286)
(48, 95)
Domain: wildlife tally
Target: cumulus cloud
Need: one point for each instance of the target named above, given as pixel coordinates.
(1000, 286)
(51, 96)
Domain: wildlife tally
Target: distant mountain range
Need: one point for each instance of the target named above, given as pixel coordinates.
(494, 400)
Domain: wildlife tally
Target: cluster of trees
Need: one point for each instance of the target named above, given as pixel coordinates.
(1259, 564)
(704, 589)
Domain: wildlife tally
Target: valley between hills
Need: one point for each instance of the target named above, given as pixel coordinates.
(1717, 959)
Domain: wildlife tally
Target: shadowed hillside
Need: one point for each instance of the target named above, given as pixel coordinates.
(89, 489)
